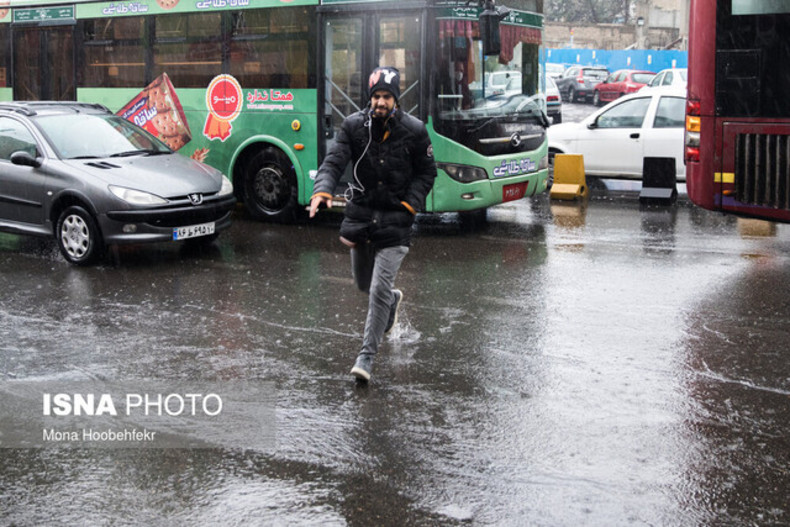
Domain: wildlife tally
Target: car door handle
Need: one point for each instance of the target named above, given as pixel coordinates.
(635, 135)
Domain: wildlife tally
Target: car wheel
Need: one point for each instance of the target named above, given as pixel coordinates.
(597, 98)
(270, 186)
(78, 236)
(557, 119)
(572, 94)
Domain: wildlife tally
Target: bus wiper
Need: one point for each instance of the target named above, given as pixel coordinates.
(483, 125)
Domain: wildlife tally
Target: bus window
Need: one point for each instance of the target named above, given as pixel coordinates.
(4, 56)
(399, 40)
(750, 53)
(759, 7)
(344, 91)
(44, 63)
(188, 47)
(114, 55)
(271, 48)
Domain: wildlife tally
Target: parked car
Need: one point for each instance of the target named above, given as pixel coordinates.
(90, 178)
(503, 82)
(615, 139)
(577, 82)
(671, 77)
(553, 101)
(554, 70)
(620, 83)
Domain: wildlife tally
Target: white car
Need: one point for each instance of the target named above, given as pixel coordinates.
(553, 101)
(503, 82)
(615, 140)
(554, 70)
(673, 77)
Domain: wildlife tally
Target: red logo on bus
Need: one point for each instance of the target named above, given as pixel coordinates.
(224, 102)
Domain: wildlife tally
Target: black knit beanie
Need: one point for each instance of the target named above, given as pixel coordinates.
(385, 78)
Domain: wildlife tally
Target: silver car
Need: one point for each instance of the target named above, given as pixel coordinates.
(91, 178)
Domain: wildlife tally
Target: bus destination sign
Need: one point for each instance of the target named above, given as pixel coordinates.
(44, 14)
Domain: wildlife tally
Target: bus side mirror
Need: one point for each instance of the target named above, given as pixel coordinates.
(489, 27)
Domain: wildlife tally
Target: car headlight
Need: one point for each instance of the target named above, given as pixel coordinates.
(227, 187)
(463, 173)
(136, 197)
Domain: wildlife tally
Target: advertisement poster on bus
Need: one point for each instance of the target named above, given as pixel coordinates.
(158, 110)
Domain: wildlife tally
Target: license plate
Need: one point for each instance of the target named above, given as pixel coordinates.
(193, 231)
(514, 191)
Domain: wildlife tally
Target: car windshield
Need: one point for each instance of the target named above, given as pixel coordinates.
(89, 136)
(596, 74)
(642, 78)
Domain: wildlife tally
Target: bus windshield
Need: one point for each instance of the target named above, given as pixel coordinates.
(471, 83)
(472, 89)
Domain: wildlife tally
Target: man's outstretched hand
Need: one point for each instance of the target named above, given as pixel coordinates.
(317, 202)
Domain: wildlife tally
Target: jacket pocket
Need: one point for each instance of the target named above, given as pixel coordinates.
(354, 230)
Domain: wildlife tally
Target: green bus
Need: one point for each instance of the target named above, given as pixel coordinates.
(258, 88)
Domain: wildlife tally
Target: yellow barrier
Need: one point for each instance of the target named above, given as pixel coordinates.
(569, 181)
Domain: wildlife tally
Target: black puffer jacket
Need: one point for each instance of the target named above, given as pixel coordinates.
(392, 179)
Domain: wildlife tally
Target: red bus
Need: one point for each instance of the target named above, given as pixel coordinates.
(738, 111)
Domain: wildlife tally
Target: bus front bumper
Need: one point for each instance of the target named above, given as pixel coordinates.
(449, 195)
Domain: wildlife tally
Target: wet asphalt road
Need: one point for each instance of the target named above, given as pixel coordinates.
(566, 364)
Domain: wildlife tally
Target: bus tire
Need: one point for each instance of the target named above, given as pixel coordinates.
(473, 219)
(270, 189)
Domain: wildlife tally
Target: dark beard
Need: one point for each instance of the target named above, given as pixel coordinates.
(378, 126)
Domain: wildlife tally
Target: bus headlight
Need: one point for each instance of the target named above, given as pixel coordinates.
(463, 173)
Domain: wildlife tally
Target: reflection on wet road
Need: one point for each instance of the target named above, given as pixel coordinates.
(566, 364)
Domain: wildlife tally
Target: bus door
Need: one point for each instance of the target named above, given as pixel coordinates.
(44, 63)
(354, 43)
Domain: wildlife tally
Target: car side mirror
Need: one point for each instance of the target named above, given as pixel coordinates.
(593, 125)
(24, 159)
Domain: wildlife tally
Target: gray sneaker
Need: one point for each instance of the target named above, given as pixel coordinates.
(362, 367)
(398, 297)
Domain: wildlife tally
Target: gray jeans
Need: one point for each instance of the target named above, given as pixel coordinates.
(374, 273)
